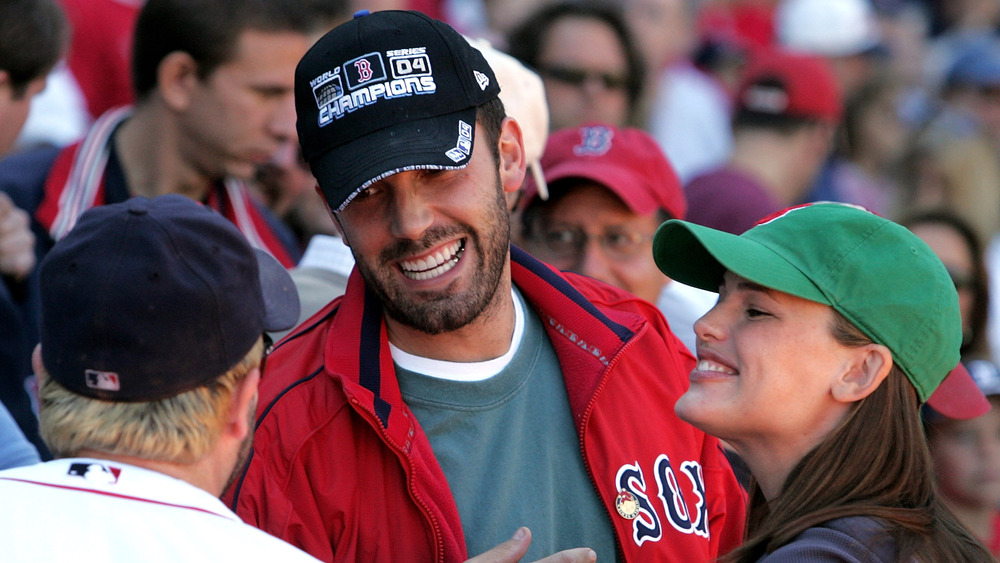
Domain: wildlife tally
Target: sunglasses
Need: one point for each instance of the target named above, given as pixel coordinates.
(579, 76)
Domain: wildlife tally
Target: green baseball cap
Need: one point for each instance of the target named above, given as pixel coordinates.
(874, 272)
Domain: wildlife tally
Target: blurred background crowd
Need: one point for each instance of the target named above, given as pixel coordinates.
(757, 105)
(911, 124)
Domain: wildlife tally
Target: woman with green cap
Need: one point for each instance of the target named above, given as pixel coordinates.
(833, 325)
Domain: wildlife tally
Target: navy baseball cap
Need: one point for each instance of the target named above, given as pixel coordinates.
(146, 299)
(387, 92)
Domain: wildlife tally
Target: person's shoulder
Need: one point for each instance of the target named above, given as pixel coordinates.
(23, 175)
(298, 355)
(855, 539)
(297, 384)
(608, 298)
(256, 545)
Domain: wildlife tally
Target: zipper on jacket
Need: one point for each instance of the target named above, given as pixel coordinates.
(585, 420)
(403, 452)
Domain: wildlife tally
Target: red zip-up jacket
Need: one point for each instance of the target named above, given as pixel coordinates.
(341, 468)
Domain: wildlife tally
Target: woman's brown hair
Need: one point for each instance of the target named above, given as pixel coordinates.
(875, 464)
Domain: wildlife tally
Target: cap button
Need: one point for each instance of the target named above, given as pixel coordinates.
(361, 13)
(138, 206)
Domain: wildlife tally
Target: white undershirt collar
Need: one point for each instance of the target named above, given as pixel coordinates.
(465, 371)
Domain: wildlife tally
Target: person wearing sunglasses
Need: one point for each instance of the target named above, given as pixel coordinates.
(955, 241)
(588, 60)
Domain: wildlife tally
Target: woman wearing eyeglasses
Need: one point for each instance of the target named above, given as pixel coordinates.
(832, 326)
(587, 58)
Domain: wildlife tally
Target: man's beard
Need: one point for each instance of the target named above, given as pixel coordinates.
(442, 311)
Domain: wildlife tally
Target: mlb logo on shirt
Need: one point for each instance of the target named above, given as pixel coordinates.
(95, 472)
(104, 380)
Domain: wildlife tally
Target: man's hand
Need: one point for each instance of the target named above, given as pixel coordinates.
(17, 242)
(512, 550)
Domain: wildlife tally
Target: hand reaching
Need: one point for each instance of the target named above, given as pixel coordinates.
(512, 550)
(17, 242)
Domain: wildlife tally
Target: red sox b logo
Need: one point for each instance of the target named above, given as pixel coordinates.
(684, 508)
(595, 140)
(364, 69)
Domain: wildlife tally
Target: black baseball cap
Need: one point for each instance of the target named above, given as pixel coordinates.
(146, 299)
(384, 93)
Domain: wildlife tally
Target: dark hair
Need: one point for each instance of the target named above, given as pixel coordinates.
(208, 30)
(875, 464)
(526, 41)
(974, 344)
(490, 116)
(33, 35)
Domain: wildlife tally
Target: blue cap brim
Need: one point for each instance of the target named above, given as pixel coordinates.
(281, 299)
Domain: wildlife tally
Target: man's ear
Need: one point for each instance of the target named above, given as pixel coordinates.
(863, 375)
(176, 79)
(244, 398)
(512, 160)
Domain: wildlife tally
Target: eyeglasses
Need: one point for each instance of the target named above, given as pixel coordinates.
(569, 242)
(580, 76)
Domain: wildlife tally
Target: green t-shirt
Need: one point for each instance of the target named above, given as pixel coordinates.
(510, 452)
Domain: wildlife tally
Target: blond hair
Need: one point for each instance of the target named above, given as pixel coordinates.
(179, 429)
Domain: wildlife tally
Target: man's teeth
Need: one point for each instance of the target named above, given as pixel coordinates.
(435, 264)
(705, 365)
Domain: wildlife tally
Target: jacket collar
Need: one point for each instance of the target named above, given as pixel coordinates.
(585, 339)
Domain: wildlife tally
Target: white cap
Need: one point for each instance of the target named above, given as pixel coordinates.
(829, 28)
(523, 95)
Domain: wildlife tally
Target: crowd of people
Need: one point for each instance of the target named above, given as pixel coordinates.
(493, 280)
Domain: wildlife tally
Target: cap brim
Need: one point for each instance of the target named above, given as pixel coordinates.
(344, 171)
(281, 299)
(699, 256)
(958, 396)
(617, 178)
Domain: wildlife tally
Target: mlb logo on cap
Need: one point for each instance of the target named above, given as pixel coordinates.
(104, 380)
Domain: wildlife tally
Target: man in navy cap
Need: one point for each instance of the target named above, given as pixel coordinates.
(153, 312)
(461, 389)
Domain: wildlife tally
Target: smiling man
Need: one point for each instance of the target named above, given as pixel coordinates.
(460, 389)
